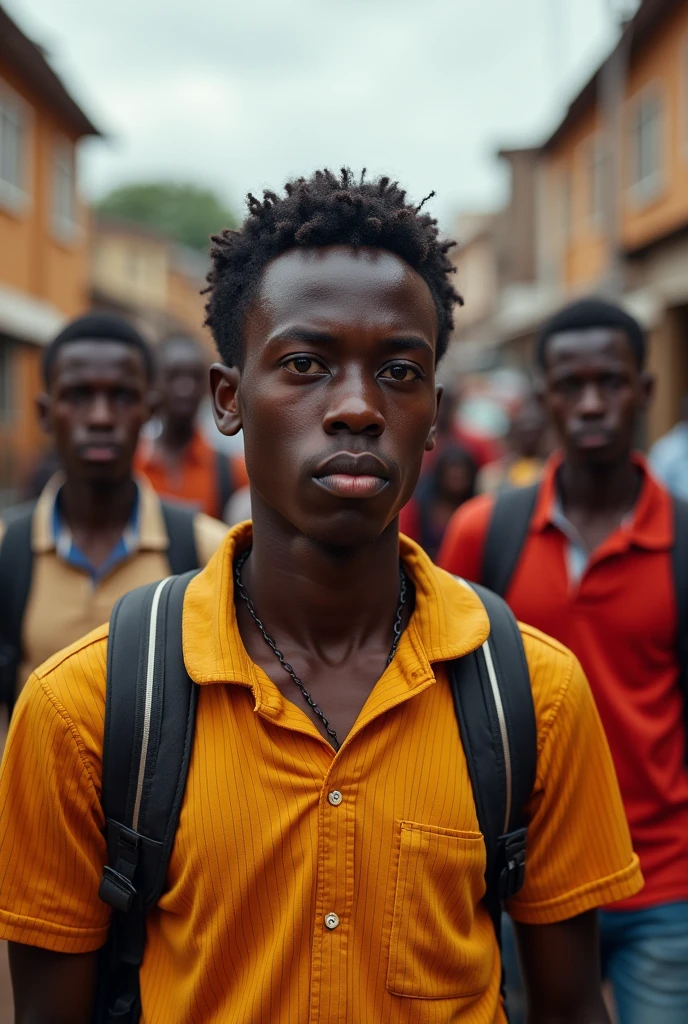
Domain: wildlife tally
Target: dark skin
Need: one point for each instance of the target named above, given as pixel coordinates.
(182, 384)
(595, 394)
(339, 357)
(97, 399)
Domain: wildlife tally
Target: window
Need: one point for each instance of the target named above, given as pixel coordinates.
(5, 381)
(13, 139)
(645, 154)
(596, 181)
(566, 207)
(64, 191)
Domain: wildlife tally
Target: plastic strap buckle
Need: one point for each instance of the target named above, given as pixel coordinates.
(116, 886)
(512, 862)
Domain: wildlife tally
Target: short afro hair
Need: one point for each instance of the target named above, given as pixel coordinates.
(586, 314)
(325, 209)
(97, 327)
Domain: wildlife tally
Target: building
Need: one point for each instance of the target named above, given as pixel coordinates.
(604, 202)
(137, 271)
(44, 229)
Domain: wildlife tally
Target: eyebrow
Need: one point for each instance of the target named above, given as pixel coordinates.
(407, 343)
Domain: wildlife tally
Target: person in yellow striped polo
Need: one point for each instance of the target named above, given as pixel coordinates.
(328, 864)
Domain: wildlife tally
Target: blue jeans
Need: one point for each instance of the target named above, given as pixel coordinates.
(645, 956)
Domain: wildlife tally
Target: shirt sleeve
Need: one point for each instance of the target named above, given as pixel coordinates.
(52, 847)
(461, 552)
(579, 853)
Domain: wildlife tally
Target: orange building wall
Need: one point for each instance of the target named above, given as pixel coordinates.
(21, 438)
(187, 305)
(664, 64)
(32, 260)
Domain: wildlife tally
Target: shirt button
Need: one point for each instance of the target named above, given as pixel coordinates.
(335, 798)
(331, 921)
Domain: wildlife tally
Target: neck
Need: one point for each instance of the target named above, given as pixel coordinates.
(176, 434)
(322, 597)
(598, 488)
(90, 507)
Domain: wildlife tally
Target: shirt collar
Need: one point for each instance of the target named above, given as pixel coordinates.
(650, 525)
(448, 620)
(147, 534)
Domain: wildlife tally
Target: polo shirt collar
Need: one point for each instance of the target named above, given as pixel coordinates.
(151, 534)
(448, 621)
(649, 526)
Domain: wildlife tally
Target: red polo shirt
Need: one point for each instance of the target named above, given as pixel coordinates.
(195, 482)
(620, 619)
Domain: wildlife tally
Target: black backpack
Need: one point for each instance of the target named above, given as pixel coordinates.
(149, 731)
(16, 566)
(506, 536)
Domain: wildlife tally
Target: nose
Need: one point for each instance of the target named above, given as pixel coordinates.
(591, 405)
(100, 413)
(354, 409)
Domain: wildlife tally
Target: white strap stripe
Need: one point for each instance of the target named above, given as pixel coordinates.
(148, 703)
(492, 675)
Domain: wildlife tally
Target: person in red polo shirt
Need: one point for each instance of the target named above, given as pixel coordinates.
(595, 572)
(179, 462)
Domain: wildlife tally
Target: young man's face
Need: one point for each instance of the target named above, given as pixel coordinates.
(183, 380)
(337, 394)
(594, 393)
(95, 406)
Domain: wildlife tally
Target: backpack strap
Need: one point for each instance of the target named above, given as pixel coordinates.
(506, 536)
(494, 707)
(182, 553)
(225, 487)
(679, 558)
(16, 565)
(149, 728)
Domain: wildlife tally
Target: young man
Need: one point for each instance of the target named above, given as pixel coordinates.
(179, 462)
(328, 864)
(96, 532)
(595, 572)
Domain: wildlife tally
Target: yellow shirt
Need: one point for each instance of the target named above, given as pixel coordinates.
(262, 856)
(64, 602)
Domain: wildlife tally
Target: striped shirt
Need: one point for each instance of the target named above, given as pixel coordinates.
(266, 851)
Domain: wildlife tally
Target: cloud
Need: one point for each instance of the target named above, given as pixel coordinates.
(241, 95)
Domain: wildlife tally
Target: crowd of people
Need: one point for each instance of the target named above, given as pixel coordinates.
(311, 769)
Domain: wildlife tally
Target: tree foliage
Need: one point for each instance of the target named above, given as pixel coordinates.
(186, 213)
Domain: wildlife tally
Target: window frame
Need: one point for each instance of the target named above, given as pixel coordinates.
(595, 167)
(646, 190)
(7, 410)
(16, 199)
(65, 228)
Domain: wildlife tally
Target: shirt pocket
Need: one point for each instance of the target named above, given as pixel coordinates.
(439, 948)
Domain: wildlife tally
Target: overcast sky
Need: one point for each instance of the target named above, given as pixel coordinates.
(240, 94)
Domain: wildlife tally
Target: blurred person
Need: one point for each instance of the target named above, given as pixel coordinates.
(523, 461)
(329, 862)
(178, 461)
(450, 431)
(591, 551)
(449, 484)
(96, 531)
(669, 456)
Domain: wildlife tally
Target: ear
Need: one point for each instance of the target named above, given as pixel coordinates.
(647, 390)
(432, 436)
(153, 400)
(43, 412)
(224, 395)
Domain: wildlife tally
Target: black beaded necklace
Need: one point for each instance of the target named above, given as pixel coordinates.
(403, 588)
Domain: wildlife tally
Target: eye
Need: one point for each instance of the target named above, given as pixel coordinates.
(305, 366)
(404, 373)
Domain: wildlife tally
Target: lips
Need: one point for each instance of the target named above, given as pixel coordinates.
(593, 439)
(99, 452)
(352, 476)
